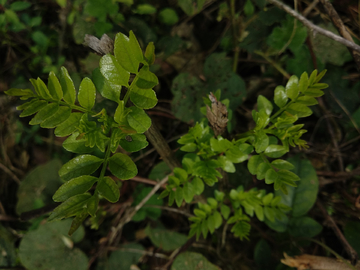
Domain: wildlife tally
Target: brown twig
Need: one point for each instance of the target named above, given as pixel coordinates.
(13, 176)
(314, 27)
(338, 23)
(348, 248)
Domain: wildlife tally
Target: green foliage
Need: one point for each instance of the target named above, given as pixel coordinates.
(55, 106)
(165, 239)
(192, 261)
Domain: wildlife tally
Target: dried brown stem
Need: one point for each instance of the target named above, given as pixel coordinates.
(338, 23)
(314, 27)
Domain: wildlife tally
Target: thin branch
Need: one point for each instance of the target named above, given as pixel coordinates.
(9, 172)
(128, 216)
(314, 27)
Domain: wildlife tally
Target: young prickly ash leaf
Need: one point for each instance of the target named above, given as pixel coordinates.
(80, 165)
(143, 98)
(20, 92)
(74, 187)
(254, 163)
(138, 119)
(275, 151)
(138, 142)
(282, 164)
(150, 53)
(280, 97)
(188, 191)
(68, 126)
(307, 100)
(179, 196)
(262, 169)
(54, 87)
(303, 82)
(146, 79)
(41, 88)
(77, 221)
(292, 88)
(122, 166)
(61, 115)
(264, 103)
(70, 207)
(67, 86)
(128, 52)
(113, 72)
(218, 219)
(33, 107)
(75, 145)
(198, 185)
(300, 110)
(108, 189)
(102, 85)
(46, 112)
(261, 142)
(225, 211)
(87, 94)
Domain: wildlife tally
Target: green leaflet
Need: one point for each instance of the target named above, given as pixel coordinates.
(122, 166)
(108, 189)
(80, 165)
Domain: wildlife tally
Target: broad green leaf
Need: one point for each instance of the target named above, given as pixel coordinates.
(292, 87)
(138, 142)
(128, 52)
(220, 145)
(254, 163)
(211, 223)
(264, 103)
(150, 53)
(70, 207)
(61, 115)
(67, 86)
(262, 170)
(32, 107)
(108, 189)
(280, 97)
(122, 166)
(19, 5)
(225, 211)
(226, 164)
(80, 165)
(198, 185)
(307, 188)
(217, 219)
(303, 82)
(45, 248)
(219, 195)
(138, 119)
(352, 234)
(239, 153)
(189, 147)
(103, 86)
(146, 79)
(54, 87)
(46, 112)
(181, 174)
(74, 187)
(114, 73)
(87, 94)
(299, 109)
(188, 192)
(304, 227)
(165, 239)
(75, 145)
(143, 98)
(259, 212)
(191, 261)
(212, 202)
(68, 126)
(275, 151)
(269, 213)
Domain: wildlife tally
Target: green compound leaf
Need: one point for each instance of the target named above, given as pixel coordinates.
(54, 87)
(75, 145)
(298, 109)
(143, 98)
(46, 112)
(40, 88)
(128, 52)
(292, 87)
(280, 98)
(122, 166)
(275, 151)
(74, 187)
(61, 115)
(207, 171)
(146, 79)
(108, 189)
(220, 145)
(134, 143)
(70, 207)
(265, 104)
(80, 165)
(138, 119)
(68, 126)
(31, 107)
(114, 73)
(67, 86)
(104, 88)
(87, 94)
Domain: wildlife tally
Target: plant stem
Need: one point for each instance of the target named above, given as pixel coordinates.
(273, 63)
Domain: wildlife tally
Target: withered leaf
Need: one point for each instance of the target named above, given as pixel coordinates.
(217, 115)
(103, 46)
